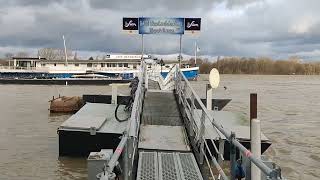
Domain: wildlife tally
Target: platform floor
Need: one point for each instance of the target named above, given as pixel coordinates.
(99, 116)
(153, 84)
(159, 137)
(161, 126)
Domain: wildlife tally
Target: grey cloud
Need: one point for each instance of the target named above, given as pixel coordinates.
(237, 3)
(145, 5)
(267, 29)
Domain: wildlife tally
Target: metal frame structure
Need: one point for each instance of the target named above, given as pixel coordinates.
(128, 147)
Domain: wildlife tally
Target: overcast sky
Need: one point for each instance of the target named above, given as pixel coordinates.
(252, 28)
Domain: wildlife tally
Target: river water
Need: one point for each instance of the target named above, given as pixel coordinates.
(288, 106)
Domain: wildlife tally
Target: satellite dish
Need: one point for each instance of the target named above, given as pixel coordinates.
(214, 78)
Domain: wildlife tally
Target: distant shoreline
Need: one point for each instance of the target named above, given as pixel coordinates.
(259, 66)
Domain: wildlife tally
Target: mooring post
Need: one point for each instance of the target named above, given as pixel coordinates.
(232, 156)
(146, 80)
(114, 94)
(255, 147)
(253, 107)
(209, 96)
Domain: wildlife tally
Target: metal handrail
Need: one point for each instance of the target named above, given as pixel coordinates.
(128, 141)
(272, 173)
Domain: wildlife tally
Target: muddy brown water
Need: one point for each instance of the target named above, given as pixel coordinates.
(289, 108)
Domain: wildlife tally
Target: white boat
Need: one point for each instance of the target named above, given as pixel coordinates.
(113, 66)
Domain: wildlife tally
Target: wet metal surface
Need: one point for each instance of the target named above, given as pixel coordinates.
(160, 108)
(100, 116)
(161, 137)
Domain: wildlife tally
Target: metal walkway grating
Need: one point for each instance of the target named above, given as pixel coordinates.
(160, 108)
(189, 167)
(153, 85)
(148, 166)
(167, 166)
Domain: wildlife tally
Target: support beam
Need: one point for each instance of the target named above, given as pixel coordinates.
(114, 94)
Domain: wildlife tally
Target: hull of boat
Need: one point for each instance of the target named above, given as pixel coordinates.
(189, 73)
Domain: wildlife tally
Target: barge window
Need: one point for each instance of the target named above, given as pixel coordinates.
(134, 66)
(108, 65)
(89, 65)
(77, 65)
(102, 65)
(43, 65)
(120, 64)
(113, 64)
(55, 64)
(125, 64)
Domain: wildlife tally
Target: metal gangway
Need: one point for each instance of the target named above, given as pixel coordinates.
(200, 161)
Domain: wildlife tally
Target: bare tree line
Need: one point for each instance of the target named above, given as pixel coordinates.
(236, 65)
(47, 53)
(54, 54)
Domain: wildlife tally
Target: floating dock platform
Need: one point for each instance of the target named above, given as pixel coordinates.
(91, 129)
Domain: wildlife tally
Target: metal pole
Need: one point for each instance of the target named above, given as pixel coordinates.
(117, 153)
(221, 151)
(142, 48)
(180, 52)
(209, 97)
(232, 156)
(253, 106)
(65, 50)
(201, 139)
(114, 94)
(195, 54)
(255, 147)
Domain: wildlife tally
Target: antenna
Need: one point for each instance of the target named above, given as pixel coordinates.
(65, 50)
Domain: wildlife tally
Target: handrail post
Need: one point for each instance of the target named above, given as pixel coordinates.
(232, 155)
(221, 151)
(126, 160)
(146, 80)
(192, 115)
(209, 96)
(201, 134)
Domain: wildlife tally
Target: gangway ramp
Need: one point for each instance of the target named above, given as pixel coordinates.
(164, 150)
(161, 126)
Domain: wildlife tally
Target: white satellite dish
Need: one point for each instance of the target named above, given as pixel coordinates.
(214, 78)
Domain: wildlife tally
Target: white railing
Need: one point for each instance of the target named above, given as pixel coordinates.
(187, 98)
(164, 83)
